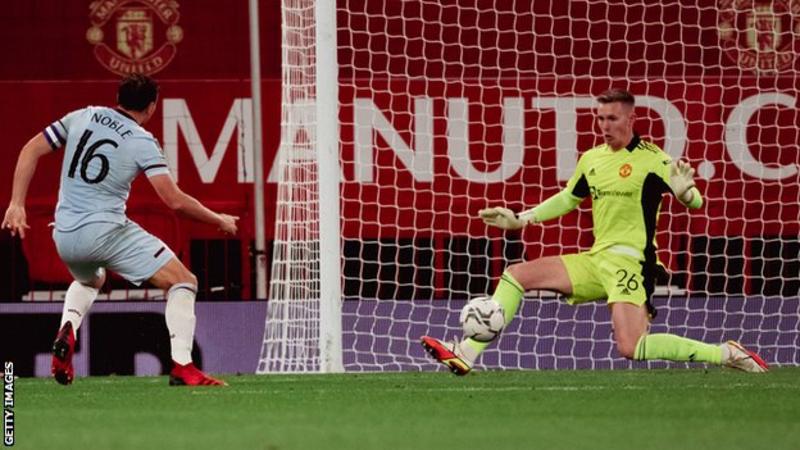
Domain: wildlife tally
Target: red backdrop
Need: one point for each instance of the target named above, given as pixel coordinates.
(559, 50)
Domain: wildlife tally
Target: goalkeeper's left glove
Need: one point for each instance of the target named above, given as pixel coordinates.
(681, 180)
(502, 218)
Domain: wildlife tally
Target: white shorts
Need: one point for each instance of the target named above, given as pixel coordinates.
(127, 249)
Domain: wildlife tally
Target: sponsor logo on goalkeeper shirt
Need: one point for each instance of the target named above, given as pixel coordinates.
(759, 34)
(597, 194)
(134, 36)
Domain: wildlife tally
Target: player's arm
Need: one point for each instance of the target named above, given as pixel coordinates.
(179, 201)
(681, 182)
(15, 218)
(556, 206)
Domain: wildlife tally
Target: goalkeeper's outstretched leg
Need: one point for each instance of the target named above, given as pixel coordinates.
(629, 315)
(631, 323)
(546, 273)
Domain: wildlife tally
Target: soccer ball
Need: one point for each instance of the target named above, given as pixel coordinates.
(482, 319)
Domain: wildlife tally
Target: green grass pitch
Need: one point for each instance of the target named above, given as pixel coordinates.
(621, 409)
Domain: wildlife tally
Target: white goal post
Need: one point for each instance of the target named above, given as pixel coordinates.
(402, 118)
(303, 330)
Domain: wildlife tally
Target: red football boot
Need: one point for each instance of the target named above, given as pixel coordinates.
(745, 360)
(446, 354)
(189, 375)
(63, 349)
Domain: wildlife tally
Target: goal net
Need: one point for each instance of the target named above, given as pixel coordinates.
(445, 108)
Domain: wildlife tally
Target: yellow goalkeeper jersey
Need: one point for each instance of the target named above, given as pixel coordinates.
(626, 187)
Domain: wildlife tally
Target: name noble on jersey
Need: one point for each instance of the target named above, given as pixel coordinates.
(113, 124)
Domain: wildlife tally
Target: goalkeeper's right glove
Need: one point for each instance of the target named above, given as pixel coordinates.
(503, 218)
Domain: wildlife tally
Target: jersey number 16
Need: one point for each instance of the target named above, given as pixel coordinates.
(88, 157)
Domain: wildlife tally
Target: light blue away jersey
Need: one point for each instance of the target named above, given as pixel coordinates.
(105, 150)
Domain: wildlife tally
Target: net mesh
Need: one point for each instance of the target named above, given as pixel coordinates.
(449, 107)
(291, 336)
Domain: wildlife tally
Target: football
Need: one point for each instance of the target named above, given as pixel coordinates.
(482, 319)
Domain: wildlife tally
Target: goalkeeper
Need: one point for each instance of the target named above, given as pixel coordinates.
(626, 177)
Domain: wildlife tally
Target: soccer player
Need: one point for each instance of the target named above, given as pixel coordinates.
(105, 149)
(625, 177)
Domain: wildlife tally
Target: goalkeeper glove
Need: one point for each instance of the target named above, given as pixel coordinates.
(503, 218)
(681, 180)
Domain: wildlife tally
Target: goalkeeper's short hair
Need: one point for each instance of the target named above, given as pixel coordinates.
(616, 95)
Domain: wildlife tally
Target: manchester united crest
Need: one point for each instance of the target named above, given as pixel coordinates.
(134, 35)
(760, 34)
(625, 170)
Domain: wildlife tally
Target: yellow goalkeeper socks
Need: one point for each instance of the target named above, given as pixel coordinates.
(508, 294)
(676, 348)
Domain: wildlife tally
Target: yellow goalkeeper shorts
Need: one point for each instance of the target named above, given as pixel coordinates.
(606, 275)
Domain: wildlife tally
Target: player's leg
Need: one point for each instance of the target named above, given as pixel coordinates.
(629, 285)
(629, 288)
(631, 323)
(80, 296)
(181, 287)
(139, 256)
(634, 342)
(75, 249)
(547, 273)
(77, 301)
(670, 347)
